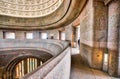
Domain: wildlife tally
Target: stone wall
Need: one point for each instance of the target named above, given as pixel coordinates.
(46, 45)
(20, 34)
(113, 38)
(86, 32)
(14, 48)
(8, 56)
(57, 68)
(100, 27)
(62, 69)
(68, 32)
(93, 32)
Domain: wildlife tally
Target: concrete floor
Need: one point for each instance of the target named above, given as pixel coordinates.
(81, 71)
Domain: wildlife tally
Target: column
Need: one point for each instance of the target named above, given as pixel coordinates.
(100, 28)
(19, 35)
(113, 38)
(36, 34)
(74, 37)
(25, 66)
(59, 35)
(1, 34)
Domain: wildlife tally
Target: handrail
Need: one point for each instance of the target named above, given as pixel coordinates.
(51, 67)
(60, 60)
(55, 46)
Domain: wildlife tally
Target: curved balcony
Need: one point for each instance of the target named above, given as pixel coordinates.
(34, 17)
(57, 67)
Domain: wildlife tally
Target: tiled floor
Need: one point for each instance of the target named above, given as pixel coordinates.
(82, 71)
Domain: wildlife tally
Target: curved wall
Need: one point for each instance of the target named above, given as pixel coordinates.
(54, 46)
(56, 68)
(59, 61)
(28, 8)
(10, 55)
(64, 15)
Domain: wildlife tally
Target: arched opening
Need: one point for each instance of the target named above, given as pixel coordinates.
(26, 66)
(21, 66)
(29, 35)
(63, 36)
(44, 36)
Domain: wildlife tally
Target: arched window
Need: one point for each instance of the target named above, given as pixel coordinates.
(26, 66)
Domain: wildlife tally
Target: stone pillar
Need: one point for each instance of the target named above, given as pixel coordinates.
(25, 66)
(59, 35)
(55, 34)
(68, 32)
(74, 37)
(76, 34)
(100, 27)
(119, 53)
(113, 37)
(36, 34)
(40, 34)
(73, 34)
(38, 63)
(19, 35)
(86, 33)
(1, 34)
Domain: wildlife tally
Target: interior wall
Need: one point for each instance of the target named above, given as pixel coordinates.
(93, 33)
(68, 32)
(113, 38)
(100, 27)
(86, 32)
(54, 33)
(1, 34)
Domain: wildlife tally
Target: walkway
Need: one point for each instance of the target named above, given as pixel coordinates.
(81, 71)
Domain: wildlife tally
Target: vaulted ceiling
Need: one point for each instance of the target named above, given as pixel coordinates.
(38, 14)
(28, 8)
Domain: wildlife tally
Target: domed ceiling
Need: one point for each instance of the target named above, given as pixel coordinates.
(28, 8)
(38, 14)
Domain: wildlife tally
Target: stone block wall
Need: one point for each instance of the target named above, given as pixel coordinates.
(62, 69)
(113, 37)
(56, 68)
(1, 34)
(14, 48)
(86, 32)
(100, 27)
(8, 56)
(93, 32)
(100, 35)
